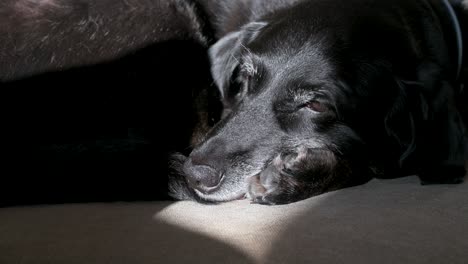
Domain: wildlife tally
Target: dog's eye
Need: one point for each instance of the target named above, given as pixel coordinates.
(317, 106)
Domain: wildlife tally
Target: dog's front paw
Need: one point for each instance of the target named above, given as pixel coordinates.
(294, 163)
(263, 184)
(272, 184)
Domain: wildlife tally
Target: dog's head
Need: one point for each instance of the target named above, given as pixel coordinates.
(312, 106)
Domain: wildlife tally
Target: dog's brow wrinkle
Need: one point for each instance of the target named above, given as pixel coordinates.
(249, 68)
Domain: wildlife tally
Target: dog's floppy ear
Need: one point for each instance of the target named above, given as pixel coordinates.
(400, 122)
(445, 141)
(225, 55)
(428, 127)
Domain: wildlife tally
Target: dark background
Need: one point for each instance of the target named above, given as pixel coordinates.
(101, 132)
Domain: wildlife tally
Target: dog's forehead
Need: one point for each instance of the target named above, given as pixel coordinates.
(282, 64)
(286, 53)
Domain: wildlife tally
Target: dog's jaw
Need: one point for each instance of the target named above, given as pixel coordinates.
(232, 196)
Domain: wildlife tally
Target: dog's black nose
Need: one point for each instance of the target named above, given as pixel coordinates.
(202, 177)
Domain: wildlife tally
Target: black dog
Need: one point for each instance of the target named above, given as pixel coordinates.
(323, 94)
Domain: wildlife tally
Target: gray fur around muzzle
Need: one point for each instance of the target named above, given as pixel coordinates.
(238, 148)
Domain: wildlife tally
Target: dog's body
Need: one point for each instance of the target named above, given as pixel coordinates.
(318, 94)
(324, 94)
(75, 74)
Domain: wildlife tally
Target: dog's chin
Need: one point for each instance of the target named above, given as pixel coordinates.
(226, 191)
(221, 196)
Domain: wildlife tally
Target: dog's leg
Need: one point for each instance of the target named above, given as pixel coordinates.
(284, 175)
(305, 172)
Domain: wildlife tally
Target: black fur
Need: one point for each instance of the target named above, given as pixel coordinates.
(323, 94)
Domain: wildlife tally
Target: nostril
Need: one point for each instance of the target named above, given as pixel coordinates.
(202, 177)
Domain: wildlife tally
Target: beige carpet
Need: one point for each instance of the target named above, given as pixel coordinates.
(384, 221)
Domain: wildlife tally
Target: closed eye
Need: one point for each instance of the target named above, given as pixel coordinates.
(317, 106)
